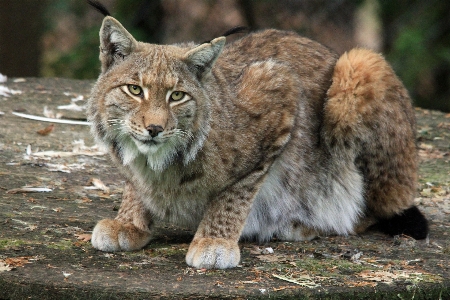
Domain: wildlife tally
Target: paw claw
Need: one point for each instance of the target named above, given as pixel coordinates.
(211, 253)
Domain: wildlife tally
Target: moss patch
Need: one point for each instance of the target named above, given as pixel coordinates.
(8, 244)
(61, 245)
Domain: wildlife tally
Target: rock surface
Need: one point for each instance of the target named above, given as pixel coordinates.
(44, 255)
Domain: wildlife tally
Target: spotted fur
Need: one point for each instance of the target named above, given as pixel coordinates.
(274, 136)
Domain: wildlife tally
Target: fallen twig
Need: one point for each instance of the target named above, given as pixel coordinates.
(44, 119)
(26, 189)
(303, 280)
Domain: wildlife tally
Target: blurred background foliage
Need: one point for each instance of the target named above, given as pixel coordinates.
(414, 35)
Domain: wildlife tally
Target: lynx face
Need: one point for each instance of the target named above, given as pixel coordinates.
(157, 122)
(151, 103)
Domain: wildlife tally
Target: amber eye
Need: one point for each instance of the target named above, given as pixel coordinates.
(177, 96)
(135, 89)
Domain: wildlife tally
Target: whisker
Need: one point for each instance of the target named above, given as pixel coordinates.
(118, 127)
(115, 121)
(188, 136)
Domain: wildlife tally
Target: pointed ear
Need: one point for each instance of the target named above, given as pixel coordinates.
(201, 59)
(115, 42)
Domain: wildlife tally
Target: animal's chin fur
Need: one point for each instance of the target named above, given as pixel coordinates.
(148, 149)
(158, 156)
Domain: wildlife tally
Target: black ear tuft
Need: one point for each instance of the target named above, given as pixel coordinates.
(99, 7)
(237, 29)
(410, 222)
(234, 30)
(201, 59)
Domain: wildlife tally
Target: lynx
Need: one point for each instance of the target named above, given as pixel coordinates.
(271, 136)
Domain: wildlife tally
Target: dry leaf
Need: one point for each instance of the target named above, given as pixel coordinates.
(6, 92)
(99, 184)
(444, 125)
(4, 267)
(86, 200)
(431, 153)
(268, 250)
(255, 250)
(362, 284)
(382, 276)
(32, 227)
(434, 191)
(17, 261)
(425, 146)
(48, 113)
(268, 258)
(85, 237)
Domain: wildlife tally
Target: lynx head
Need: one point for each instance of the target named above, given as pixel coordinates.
(149, 99)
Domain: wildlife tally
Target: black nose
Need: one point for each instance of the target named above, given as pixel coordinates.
(153, 129)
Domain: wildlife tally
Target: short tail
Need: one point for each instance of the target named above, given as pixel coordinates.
(410, 222)
(369, 121)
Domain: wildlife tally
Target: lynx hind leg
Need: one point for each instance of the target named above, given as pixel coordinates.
(128, 231)
(296, 232)
(369, 118)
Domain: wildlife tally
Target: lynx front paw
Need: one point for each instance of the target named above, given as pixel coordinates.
(112, 235)
(213, 253)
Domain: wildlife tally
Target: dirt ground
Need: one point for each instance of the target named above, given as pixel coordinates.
(43, 254)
